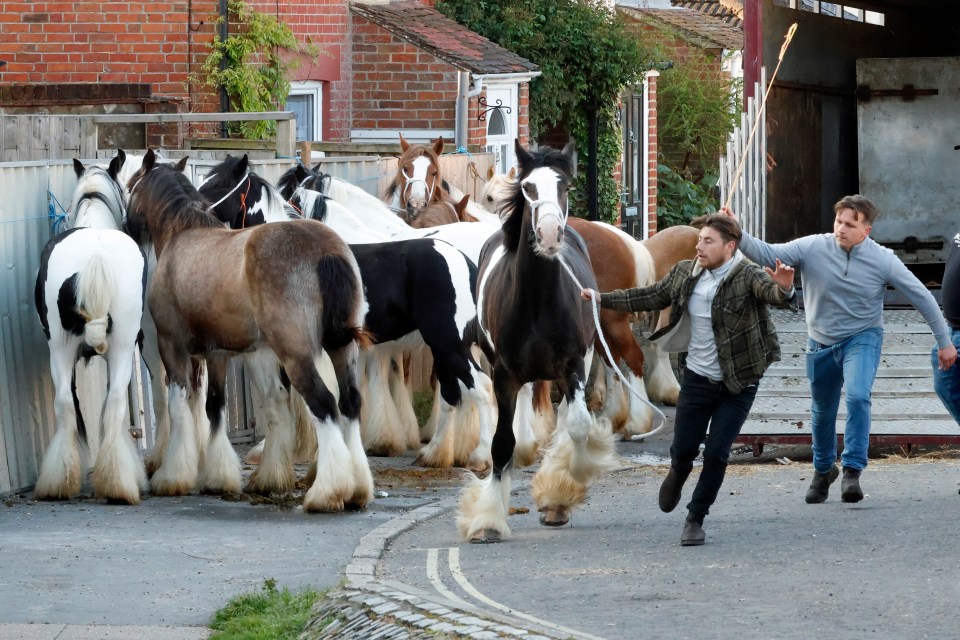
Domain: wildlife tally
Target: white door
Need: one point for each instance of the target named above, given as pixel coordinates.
(500, 113)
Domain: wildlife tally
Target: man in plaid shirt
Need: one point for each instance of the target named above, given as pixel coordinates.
(721, 320)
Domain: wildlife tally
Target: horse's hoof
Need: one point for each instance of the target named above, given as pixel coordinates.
(486, 536)
(554, 516)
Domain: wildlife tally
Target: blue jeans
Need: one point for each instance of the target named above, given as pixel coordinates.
(852, 363)
(947, 383)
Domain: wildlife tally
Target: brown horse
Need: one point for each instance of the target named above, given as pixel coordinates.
(290, 287)
(439, 213)
(418, 181)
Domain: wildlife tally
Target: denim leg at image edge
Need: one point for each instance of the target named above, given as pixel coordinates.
(826, 379)
(725, 425)
(947, 383)
(861, 358)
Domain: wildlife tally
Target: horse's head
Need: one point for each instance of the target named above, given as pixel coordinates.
(545, 177)
(163, 201)
(496, 190)
(98, 198)
(440, 213)
(241, 198)
(418, 181)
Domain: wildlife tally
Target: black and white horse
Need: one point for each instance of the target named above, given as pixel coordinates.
(89, 296)
(418, 291)
(534, 326)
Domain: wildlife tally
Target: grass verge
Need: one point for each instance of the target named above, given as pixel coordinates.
(269, 614)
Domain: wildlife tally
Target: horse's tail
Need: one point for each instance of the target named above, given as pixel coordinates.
(341, 291)
(95, 291)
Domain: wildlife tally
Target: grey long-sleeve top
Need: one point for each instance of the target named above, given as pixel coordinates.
(843, 292)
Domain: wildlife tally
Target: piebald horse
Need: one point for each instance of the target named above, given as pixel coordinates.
(89, 296)
(534, 327)
(291, 287)
(419, 291)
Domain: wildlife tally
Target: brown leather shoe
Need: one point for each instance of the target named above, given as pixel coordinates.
(693, 534)
(820, 485)
(850, 490)
(671, 488)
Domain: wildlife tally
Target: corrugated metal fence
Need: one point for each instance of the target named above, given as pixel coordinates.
(32, 194)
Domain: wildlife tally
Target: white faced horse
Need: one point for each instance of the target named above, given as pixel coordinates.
(89, 296)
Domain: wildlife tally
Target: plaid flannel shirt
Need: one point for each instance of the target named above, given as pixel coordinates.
(744, 333)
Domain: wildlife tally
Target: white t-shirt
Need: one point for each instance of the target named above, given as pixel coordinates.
(702, 354)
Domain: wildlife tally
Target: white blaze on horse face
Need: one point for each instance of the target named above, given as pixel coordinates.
(548, 209)
(416, 191)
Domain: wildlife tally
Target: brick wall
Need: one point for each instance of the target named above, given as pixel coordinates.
(397, 85)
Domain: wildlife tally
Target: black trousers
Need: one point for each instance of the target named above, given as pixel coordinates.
(704, 404)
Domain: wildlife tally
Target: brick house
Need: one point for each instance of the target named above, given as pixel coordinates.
(382, 67)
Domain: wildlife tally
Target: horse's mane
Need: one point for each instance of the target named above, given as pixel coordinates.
(166, 192)
(512, 208)
(96, 183)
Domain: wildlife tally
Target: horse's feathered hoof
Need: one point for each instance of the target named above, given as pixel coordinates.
(554, 516)
(485, 536)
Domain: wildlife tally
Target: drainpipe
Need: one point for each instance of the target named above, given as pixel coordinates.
(463, 102)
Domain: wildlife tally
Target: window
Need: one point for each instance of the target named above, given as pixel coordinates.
(833, 10)
(306, 100)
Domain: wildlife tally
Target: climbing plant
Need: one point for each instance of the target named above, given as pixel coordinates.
(586, 55)
(248, 64)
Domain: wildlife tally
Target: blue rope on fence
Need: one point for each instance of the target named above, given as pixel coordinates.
(58, 220)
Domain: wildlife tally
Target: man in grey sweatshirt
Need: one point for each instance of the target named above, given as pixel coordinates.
(843, 276)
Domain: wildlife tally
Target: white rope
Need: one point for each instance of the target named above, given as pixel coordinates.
(661, 419)
(229, 193)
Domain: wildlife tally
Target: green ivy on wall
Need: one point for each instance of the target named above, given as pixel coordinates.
(254, 73)
(586, 55)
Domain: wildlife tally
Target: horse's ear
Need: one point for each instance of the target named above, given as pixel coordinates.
(522, 156)
(438, 145)
(462, 205)
(404, 145)
(77, 167)
(569, 149)
(149, 160)
(316, 168)
(245, 163)
(180, 166)
(512, 174)
(116, 164)
(300, 173)
(491, 172)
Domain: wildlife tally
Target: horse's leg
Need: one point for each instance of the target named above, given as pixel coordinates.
(381, 428)
(482, 514)
(197, 399)
(639, 415)
(177, 475)
(439, 452)
(220, 469)
(661, 382)
(118, 474)
(345, 364)
(275, 473)
(582, 450)
(60, 472)
(525, 423)
(150, 353)
(480, 395)
(401, 390)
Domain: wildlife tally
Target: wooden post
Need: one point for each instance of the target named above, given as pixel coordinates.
(88, 138)
(286, 138)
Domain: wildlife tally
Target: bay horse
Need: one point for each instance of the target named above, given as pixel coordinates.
(89, 297)
(420, 291)
(439, 213)
(533, 326)
(292, 287)
(418, 181)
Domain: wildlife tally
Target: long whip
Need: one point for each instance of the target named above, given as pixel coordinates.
(763, 103)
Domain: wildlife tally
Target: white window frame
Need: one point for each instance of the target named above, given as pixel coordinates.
(315, 89)
(512, 120)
